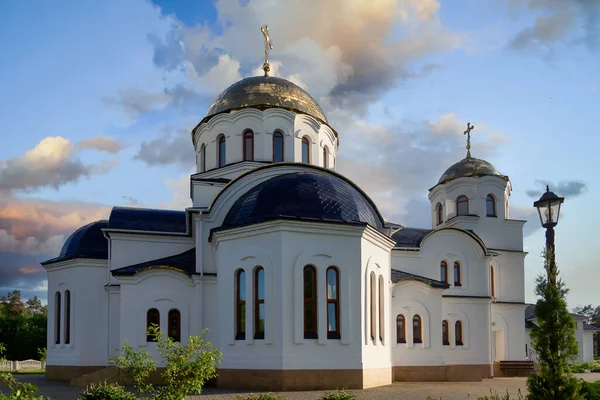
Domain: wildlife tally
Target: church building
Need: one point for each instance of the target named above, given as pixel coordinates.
(300, 281)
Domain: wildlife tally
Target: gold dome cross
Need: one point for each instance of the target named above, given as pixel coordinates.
(268, 45)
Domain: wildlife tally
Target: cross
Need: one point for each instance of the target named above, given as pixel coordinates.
(268, 45)
(468, 133)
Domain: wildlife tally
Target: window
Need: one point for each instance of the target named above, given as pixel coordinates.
(203, 158)
(277, 147)
(417, 330)
(305, 150)
(333, 303)
(400, 329)
(438, 211)
(444, 271)
(67, 316)
(490, 206)
(457, 274)
(310, 302)
(325, 157)
(57, 318)
(175, 325)
(462, 205)
(259, 303)
(152, 318)
(381, 310)
(222, 151)
(372, 313)
(240, 305)
(445, 340)
(492, 281)
(248, 146)
(458, 333)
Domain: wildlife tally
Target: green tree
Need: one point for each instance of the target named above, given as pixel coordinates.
(15, 306)
(34, 305)
(553, 339)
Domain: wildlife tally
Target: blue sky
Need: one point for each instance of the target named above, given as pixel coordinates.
(119, 85)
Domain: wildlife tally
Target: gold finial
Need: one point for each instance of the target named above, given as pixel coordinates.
(468, 133)
(268, 45)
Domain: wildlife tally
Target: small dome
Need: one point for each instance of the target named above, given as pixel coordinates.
(304, 195)
(265, 92)
(86, 242)
(472, 167)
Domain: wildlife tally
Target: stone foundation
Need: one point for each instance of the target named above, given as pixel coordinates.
(443, 373)
(68, 372)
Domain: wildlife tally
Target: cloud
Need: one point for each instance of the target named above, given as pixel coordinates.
(173, 147)
(101, 143)
(180, 193)
(24, 273)
(564, 188)
(51, 163)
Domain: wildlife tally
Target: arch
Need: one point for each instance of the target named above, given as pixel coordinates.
(221, 151)
(490, 205)
(203, 158)
(325, 157)
(444, 271)
(240, 304)
(462, 205)
(458, 333)
(457, 276)
(400, 329)
(305, 150)
(259, 303)
(174, 325)
(57, 316)
(310, 303)
(438, 212)
(445, 333)
(417, 329)
(67, 317)
(278, 146)
(152, 318)
(333, 303)
(248, 145)
(372, 303)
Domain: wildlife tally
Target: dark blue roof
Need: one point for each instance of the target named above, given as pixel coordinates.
(304, 195)
(398, 276)
(184, 262)
(86, 242)
(410, 237)
(145, 219)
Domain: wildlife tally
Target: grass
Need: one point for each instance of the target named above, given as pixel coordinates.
(25, 372)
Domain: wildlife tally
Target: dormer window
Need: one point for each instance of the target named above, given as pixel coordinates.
(462, 205)
(490, 206)
(438, 213)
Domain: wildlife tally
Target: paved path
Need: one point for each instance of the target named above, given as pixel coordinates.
(401, 391)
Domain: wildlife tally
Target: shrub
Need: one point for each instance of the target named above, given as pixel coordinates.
(338, 395)
(106, 391)
(590, 390)
(261, 396)
(19, 390)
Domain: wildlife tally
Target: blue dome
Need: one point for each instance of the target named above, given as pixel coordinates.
(86, 242)
(304, 195)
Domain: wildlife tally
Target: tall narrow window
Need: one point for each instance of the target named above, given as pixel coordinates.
(439, 216)
(457, 274)
(67, 316)
(458, 333)
(444, 271)
(462, 205)
(203, 157)
(240, 305)
(381, 310)
(248, 146)
(277, 147)
(333, 303)
(490, 206)
(310, 302)
(400, 329)
(152, 318)
(259, 303)
(373, 305)
(57, 305)
(175, 325)
(492, 281)
(222, 151)
(305, 150)
(325, 157)
(417, 330)
(445, 333)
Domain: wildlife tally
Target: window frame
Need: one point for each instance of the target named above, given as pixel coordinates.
(240, 326)
(313, 333)
(462, 199)
(417, 339)
(258, 334)
(457, 273)
(325, 157)
(221, 158)
(174, 313)
(67, 330)
(372, 294)
(381, 314)
(203, 158)
(490, 199)
(336, 334)
(401, 338)
(278, 134)
(444, 267)
(439, 214)
(493, 286)
(248, 134)
(306, 141)
(57, 317)
(150, 338)
(446, 334)
(458, 333)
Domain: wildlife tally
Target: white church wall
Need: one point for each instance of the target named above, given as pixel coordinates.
(129, 249)
(509, 318)
(509, 276)
(203, 193)
(588, 346)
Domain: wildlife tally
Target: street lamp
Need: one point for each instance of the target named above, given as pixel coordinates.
(548, 207)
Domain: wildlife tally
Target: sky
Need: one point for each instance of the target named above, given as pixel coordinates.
(98, 100)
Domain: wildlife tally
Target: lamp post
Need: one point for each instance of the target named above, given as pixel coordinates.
(548, 207)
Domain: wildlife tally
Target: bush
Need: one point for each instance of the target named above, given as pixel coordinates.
(106, 391)
(261, 396)
(590, 390)
(338, 395)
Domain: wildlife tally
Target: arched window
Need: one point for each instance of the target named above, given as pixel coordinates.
(417, 330)
(445, 333)
(240, 305)
(305, 150)
(490, 206)
(67, 316)
(381, 310)
(248, 146)
(175, 325)
(444, 271)
(152, 318)
(277, 147)
(462, 205)
(333, 303)
(373, 305)
(492, 281)
(203, 158)
(325, 157)
(310, 302)
(222, 151)
(458, 333)
(438, 212)
(57, 305)
(457, 274)
(259, 303)
(400, 329)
